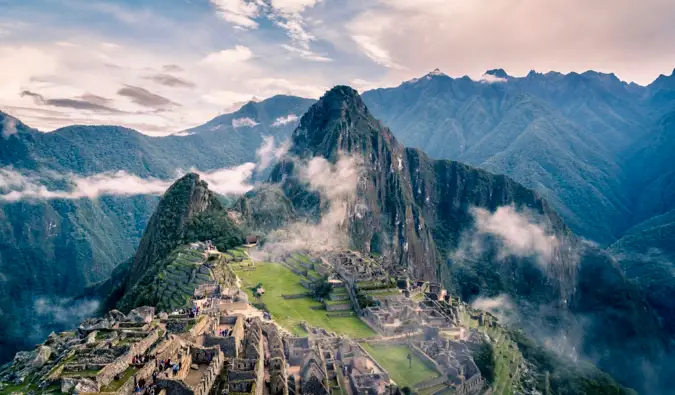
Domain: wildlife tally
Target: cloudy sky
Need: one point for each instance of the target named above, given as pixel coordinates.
(161, 66)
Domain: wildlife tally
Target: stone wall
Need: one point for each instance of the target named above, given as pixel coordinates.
(167, 349)
(107, 374)
(424, 357)
(212, 372)
(429, 383)
(228, 345)
(178, 325)
(339, 306)
(203, 323)
(174, 387)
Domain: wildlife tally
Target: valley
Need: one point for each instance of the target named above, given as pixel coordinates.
(115, 353)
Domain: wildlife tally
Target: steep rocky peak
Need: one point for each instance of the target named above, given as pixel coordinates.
(186, 198)
(339, 122)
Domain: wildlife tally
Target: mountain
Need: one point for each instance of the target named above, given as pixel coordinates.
(187, 212)
(554, 133)
(417, 212)
(50, 249)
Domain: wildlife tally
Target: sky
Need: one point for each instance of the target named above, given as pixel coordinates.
(161, 66)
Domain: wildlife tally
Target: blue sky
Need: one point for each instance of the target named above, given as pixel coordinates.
(161, 66)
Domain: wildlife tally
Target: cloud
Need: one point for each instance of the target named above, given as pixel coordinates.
(18, 186)
(306, 54)
(468, 37)
(336, 185)
(78, 104)
(268, 152)
(64, 311)
(491, 79)
(111, 46)
(231, 181)
(375, 52)
(295, 30)
(145, 98)
(281, 121)
(8, 128)
(228, 57)
(500, 306)
(293, 6)
(170, 80)
(91, 98)
(241, 13)
(15, 186)
(172, 68)
(518, 233)
(244, 123)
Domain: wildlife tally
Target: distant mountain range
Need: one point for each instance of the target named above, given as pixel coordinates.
(597, 149)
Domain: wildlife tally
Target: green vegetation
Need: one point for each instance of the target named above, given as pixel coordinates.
(116, 384)
(563, 376)
(279, 280)
(395, 360)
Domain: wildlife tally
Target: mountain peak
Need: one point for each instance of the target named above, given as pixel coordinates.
(338, 122)
(499, 73)
(186, 198)
(437, 73)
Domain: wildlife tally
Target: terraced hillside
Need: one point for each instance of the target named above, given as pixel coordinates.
(183, 271)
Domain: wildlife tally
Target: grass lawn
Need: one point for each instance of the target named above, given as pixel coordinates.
(279, 280)
(395, 360)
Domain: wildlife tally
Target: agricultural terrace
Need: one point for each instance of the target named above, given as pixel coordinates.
(278, 280)
(395, 360)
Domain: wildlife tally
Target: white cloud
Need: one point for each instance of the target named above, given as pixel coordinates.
(15, 186)
(228, 57)
(293, 6)
(500, 306)
(64, 311)
(231, 181)
(281, 121)
(469, 37)
(8, 127)
(268, 152)
(491, 79)
(66, 44)
(245, 122)
(120, 183)
(295, 29)
(107, 45)
(336, 184)
(306, 54)
(372, 49)
(241, 13)
(519, 233)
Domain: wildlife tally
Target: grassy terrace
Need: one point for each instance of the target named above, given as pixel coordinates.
(116, 384)
(395, 360)
(279, 280)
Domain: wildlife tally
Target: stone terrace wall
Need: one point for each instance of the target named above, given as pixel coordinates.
(107, 374)
(424, 357)
(202, 325)
(167, 349)
(212, 372)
